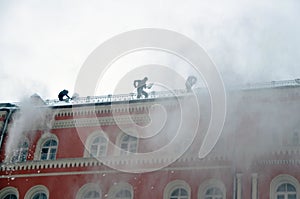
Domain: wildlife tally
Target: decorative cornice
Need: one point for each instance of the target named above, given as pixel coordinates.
(92, 162)
(101, 121)
(279, 162)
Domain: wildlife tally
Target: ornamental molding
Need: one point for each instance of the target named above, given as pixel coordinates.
(93, 162)
(101, 121)
(279, 162)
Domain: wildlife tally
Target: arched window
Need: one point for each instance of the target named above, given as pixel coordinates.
(213, 193)
(9, 193)
(96, 144)
(46, 147)
(39, 195)
(20, 154)
(284, 187)
(99, 146)
(179, 193)
(128, 144)
(212, 189)
(10, 196)
(92, 195)
(49, 149)
(121, 190)
(286, 191)
(177, 189)
(37, 192)
(89, 191)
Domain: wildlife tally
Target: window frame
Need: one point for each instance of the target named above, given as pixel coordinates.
(84, 189)
(121, 151)
(9, 190)
(282, 179)
(211, 183)
(43, 139)
(175, 184)
(89, 142)
(37, 189)
(116, 188)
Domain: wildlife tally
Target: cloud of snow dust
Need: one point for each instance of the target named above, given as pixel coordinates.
(29, 118)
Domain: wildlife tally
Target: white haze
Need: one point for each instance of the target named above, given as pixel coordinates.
(26, 121)
(43, 44)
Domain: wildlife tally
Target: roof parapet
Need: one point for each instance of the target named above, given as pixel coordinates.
(166, 94)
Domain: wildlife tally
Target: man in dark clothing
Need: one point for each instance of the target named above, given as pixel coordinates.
(62, 94)
(141, 85)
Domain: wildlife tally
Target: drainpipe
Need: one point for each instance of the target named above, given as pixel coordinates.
(4, 129)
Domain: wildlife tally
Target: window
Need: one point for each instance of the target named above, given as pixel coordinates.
(123, 194)
(121, 190)
(39, 195)
(212, 189)
(46, 147)
(48, 151)
(128, 144)
(10, 196)
(177, 189)
(92, 195)
(89, 191)
(99, 146)
(213, 193)
(9, 193)
(286, 191)
(37, 192)
(284, 187)
(96, 144)
(179, 193)
(20, 154)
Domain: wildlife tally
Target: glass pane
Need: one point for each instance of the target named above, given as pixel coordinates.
(218, 191)
(209, 191)
(292, 196)
(280, 196)
(175, 192)
(39, 196)
(281, 188)
(53, 143)
(96, 140)
(11, 196)
(92, 195)
(44, 156)
(290, 188)
(123, 194)
(183, 192)
(47, 143)
(125, 138)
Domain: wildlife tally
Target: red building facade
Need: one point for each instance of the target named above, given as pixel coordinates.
(79, 149)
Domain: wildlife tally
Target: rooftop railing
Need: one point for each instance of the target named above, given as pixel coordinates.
(165, 94)
(117, 98)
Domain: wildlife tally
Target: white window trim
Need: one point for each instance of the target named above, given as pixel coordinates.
(280, 179)
(118, 187)
(38, 188)
(89, 142)
(171, 186)
(210, 184)
(9, 190)
(86, 188)
(45, 137)
(118, 149)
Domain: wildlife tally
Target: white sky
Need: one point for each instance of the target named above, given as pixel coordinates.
(43, 44)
